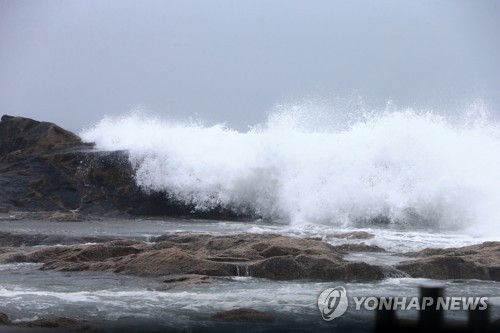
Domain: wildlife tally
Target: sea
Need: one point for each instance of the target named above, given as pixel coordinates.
(412, 178)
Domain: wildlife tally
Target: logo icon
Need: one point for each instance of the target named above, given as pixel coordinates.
(332, 303)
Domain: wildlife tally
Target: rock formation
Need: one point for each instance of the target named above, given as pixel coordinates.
(44, 168)
(481, 262)
(189, 257)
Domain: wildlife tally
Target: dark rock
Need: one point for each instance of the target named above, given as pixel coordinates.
(480, 262)
(4, 319)
(360, 272)
(106, 251)
(444, 267)
(358, 248)
(184, 281)
(353, 235)
(244, 315)
(13, 239)
(49, 322)
(278, 268)
(91, 182)
(315, 267)
(277, 251)
(20, 137)
(68, 324)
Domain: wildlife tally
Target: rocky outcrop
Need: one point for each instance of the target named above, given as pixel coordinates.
(480, 262)
(190, 258)
(22, 137)
(244, 315)
(183, 281)
(59, 323)
(315, 267)
(353, 235)
(44, 168)
(4, 319)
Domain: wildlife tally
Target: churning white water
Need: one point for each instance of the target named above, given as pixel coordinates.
(398, 166)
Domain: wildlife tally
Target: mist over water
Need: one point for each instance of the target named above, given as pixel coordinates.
(311, 164)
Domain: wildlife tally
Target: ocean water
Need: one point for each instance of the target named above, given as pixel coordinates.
(412, 178)
(117, 303)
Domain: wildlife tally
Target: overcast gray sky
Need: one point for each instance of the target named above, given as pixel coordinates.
(231, 61)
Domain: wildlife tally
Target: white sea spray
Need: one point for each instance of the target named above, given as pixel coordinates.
(402, 166)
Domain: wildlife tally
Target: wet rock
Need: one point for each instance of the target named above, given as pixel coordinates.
(66, 217)
(13, 239)
(87, 253)
(444, 267)
(184, 281)
(8, 239)
(4, 319)
(265, 256)
(173, 261)
(12, 255)
(20, 137)
(354, 235)
(358, 248)
(67, 324)
(244, 315)
(103, 252)
(278, 251)
(480, 262)
(314, 267)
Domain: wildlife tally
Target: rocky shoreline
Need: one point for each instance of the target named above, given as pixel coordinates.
(195, 257)
(181, 261)
(49, 174)
(185, 259)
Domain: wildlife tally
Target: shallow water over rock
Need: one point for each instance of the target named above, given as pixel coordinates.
(113, 300)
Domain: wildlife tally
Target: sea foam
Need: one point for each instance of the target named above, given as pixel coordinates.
(405, 167)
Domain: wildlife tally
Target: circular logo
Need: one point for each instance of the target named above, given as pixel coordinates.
(332, 303)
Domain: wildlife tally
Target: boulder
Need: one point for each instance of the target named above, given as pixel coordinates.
(244, 315)
(325, 268)
(21, 137)
(183, 281)
(480, 262)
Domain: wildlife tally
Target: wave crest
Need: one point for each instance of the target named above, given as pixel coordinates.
(403, 166)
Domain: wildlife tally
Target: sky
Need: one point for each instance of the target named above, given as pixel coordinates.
(233, 61)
